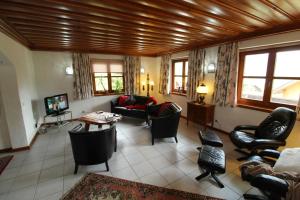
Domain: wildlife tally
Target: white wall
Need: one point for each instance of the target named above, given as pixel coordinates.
(20, 61)
(51, 79)
(4, 132)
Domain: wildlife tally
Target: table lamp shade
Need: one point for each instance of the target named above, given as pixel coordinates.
(202, 89)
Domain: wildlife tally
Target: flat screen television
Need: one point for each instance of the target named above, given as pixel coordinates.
(56, 104)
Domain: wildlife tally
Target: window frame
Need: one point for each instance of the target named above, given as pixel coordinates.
(265, 104)
(109, 77)
(173, 91)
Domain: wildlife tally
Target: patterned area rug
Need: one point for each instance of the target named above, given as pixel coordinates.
(4, 162)
(95, 186)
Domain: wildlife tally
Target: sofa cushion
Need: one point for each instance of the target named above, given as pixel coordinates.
(140, 100)
(122, 100)
(139, 107)
(131, 100)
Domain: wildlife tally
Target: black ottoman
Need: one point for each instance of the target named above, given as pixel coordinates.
(210, 138)
(212, 160)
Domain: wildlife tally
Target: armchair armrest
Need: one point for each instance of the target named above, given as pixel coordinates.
(270, 183)
(269, 153)
(245, 127)
(267, 143)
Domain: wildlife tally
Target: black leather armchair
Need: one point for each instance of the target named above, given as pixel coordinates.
(272, 187)
(269, 134)
(92, 147)
(166, 125)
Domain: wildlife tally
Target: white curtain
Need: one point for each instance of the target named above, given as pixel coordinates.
(196, 72)
(83, 85)
(132, 73)
(164, 74)
(226, 75)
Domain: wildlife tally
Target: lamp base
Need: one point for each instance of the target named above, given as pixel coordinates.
(201, 100)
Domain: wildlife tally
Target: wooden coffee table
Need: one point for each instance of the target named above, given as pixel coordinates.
(99, 118)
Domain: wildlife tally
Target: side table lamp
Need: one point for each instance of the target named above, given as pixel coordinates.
(202, 90)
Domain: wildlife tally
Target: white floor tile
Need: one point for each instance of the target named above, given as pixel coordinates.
(49, 187)
(154, 179)
(24, 194)
(143, 169)
(25, 181)
(126, 173)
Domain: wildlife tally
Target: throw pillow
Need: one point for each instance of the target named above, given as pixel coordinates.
(165, 109)
(151, 99)
(122, 100)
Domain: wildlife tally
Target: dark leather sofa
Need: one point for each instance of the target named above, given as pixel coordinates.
(136, 106)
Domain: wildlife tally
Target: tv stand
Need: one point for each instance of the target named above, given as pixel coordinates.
(60, 118)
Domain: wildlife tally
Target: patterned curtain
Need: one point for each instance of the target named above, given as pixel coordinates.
(225, 77)
(164, 74)
(132, 73)
(196, 72)
(83, 85)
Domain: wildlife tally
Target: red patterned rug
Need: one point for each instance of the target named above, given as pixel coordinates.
(4, 162)
(95, 186)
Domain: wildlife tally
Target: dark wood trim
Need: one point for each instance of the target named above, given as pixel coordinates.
(183, 117)
(6, 150)
(8, 30)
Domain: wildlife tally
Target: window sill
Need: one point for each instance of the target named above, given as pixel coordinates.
(262, 109)
(108, 94)
(178, 94)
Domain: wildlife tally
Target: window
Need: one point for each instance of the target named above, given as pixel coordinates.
(107, 77)
(179, 76)
(269, 78)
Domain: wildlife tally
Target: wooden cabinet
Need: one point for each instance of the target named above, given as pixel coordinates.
(201, 114)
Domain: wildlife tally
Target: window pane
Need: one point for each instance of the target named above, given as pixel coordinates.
(101, 83)
(285, 91)
(178, 83)
(178, 68)
(253, 88)
(186, 68)
(99, 67)
(117, 83)
(101, 74)
(116, 74)
(256, 65)
(287, 64)
(116, 67)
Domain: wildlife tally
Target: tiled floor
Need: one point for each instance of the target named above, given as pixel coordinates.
(46, 171)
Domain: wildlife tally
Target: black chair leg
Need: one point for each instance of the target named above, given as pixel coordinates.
(176, 140)
(220, 184)
(116, 143)
(76, 168)
(254, 197)
(107, 167)
(202, 175)
(152, 140)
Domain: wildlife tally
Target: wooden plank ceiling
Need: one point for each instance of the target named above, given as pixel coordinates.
(142, 27)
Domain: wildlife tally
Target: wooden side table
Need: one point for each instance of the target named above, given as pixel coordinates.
(201, 114)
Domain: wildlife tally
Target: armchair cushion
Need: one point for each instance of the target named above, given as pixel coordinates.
(242, 139)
